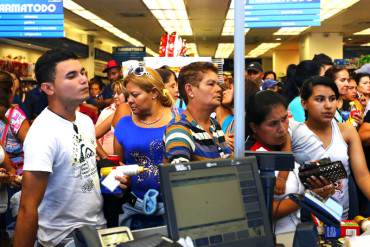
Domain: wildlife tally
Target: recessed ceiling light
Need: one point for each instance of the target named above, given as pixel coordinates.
(284, 31)
(278, 39)
(224, 50)
(363, 32)
(171, 14)
(262, 49)
(86, 14)
(349, 39)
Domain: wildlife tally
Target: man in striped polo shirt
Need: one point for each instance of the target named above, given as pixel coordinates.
(194, 135)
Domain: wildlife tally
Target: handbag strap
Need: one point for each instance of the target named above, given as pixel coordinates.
(6, 128)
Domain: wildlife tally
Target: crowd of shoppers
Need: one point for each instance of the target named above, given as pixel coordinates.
(318, 111)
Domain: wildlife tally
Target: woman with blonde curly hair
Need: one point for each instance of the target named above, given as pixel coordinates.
(139, 140)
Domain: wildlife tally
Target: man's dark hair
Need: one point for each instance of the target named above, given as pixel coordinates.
(304, 70)
(45, 65)
(193, 74)
(322, 59)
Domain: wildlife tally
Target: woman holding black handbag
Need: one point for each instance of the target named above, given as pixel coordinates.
(322, 137)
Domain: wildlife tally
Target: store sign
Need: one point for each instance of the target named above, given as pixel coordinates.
(126, 53)
(282, 13)
(31, 18)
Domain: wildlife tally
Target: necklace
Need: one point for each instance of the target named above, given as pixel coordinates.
(151, 123)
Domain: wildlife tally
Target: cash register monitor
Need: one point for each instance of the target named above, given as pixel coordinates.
(216, 203)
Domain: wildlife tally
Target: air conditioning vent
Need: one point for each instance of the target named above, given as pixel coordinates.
(132, 15)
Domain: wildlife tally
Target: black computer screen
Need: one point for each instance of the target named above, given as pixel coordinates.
(216, 202)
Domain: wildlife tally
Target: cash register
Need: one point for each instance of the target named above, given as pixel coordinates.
(216, 203)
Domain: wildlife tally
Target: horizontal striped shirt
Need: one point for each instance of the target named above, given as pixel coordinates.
(186, 140)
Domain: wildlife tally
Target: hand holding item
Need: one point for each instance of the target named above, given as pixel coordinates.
(120, 176)
(16, 180)
(124, 181)
(4, 176)
(321, 186)
(357, 117)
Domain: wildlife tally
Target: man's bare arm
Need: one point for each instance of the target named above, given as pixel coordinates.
(33, 189)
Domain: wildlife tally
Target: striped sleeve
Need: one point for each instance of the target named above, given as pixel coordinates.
(179, 143)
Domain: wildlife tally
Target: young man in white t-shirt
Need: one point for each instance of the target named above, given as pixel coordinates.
(60, 190)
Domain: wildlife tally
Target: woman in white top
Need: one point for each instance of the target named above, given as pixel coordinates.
(321, 137)
(267, 129)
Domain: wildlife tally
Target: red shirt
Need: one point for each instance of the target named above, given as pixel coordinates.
(257, 146)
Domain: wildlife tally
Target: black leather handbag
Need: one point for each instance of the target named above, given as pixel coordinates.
(332, 171)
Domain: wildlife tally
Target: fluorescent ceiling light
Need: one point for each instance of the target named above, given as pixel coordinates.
(86, 14)
(181, 26)
(151, 52)
(290, 31)
(367, 44)
(102, 23)
(262, 49)
(228, 29)
(81, 11)
(171, 14)
(329, 8)
(224, 50)
(192, 49)
(68, 4)
(363, 32)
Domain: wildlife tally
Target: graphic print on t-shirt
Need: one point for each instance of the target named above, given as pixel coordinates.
(83, 163)
(151, 163)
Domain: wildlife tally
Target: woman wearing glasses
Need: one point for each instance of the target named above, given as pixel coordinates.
(139, 140)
